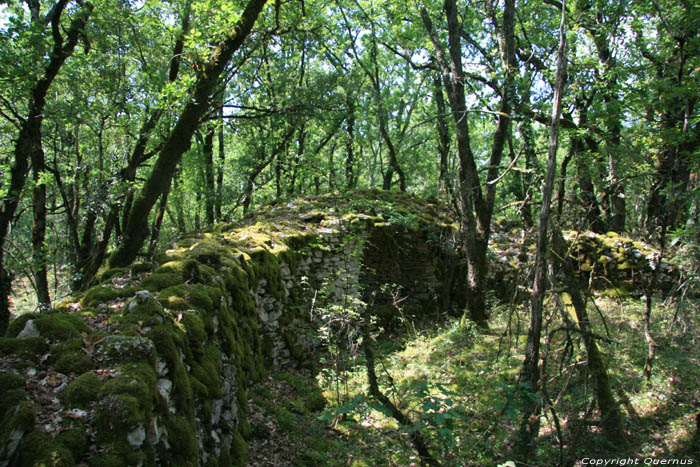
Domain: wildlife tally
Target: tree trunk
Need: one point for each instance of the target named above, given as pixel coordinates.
(350, 182)
(443, 145)
(611, 416)
(220, 170)
(28, 142)
(209, 193)
(39, 258)
(180, 138)
(530, 374)
(475, 229)
(594, 218)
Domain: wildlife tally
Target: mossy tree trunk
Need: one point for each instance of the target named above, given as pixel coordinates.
(180, 138)
(530, 374)
(28, 146)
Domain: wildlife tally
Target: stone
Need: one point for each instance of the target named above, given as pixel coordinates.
(137, 437)
(29, 330)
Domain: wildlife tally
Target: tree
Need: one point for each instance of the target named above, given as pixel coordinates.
(180, 138)
(475, 203)
(530, 375)
(28, 146)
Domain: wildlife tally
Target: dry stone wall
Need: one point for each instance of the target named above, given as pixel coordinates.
(151, 366)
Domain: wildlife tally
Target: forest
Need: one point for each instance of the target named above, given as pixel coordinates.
(538, 126)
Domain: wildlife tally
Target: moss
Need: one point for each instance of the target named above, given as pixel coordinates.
(125, 349)
(27, 348)
(164, 338)
(70, 357)
(161, 280)
(116, 415)
(186, 296)
(75, 439)
(187, 270)
(239, 450)
(100, 294)
(9, 399)
(208, 369)
(110, 273)
(60, 326)
(17, 420)
(83, 390)
(182, 440)
(39, 449)
(17, 324)
(11, 391)
(141, 267)
(135, 379)
(197, 335)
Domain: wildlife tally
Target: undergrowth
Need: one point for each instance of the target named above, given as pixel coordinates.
(459, 386)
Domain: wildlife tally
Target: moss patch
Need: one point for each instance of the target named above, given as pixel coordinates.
(70, 357)
(83, 390)
(26, 348)
(39, 449)
(100, 294)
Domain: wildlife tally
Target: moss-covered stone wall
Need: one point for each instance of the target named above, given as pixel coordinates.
(151, 365)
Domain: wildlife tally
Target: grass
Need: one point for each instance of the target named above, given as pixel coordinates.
(458, 385)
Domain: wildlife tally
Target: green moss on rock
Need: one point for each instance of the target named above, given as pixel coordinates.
(182, 440)
(39, 449)
(74, 438)
(161, 280)
(164, 338)
(141, 267)
(239, 450)
(83, 390)
(17, 324)
(187, 270)
(110, 273)
(29, 347)
(17, 421)
(70, 357)
(118, 349)
(100, 294)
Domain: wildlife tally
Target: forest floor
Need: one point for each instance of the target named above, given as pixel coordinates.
(458, 385)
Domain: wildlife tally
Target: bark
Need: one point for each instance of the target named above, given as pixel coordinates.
(610, 413)
(530, 372)
(561, 192)
(209, 193)
(38, 238)
(350, 181)
(443, 145)
(475, 229)
(180, 138)
(220, 170)
(28, 143)
(594, 218)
